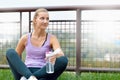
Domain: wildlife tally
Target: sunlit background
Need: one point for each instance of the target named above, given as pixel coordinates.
(100, 30)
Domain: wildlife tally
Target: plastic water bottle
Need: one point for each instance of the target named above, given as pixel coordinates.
(49, 65)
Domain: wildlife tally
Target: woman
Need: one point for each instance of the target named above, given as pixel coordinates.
(36, 45)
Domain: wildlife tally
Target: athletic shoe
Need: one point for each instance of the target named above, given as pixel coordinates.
(32, 78)
(23, 78)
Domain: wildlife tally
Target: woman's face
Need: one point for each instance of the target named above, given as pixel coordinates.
(42, 20)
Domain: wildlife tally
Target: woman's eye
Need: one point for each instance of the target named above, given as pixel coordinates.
(47, 18)
(42, 18)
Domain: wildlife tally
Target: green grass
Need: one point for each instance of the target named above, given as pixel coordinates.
(5, 74)
(89, 76)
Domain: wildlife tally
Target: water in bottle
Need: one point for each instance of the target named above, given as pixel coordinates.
(49, 65)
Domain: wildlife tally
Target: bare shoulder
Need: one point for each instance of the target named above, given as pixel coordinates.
(54, 40)
(53, 37)
(23, 39)
(21, 44)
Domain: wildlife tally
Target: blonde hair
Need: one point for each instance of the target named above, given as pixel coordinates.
(37, 12)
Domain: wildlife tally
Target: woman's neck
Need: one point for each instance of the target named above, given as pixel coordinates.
(38, 34)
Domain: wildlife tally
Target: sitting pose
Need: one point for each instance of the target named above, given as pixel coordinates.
(36, 44)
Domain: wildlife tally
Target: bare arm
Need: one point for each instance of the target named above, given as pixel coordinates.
(55, 45)
(21, 45)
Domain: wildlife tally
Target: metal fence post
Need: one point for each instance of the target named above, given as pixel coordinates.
(78, 40)
(20, 24)
(29, 21)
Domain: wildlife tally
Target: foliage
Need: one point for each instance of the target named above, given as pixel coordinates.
(5, 74)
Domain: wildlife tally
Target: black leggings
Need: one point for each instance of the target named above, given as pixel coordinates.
(19, 68)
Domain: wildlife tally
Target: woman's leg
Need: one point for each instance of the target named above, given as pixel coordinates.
(60, 66)
(17, 76)
(16, 64)
(34, 70)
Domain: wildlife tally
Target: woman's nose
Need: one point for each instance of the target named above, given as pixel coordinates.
(46, 20)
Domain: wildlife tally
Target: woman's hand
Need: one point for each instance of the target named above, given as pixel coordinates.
(51, 58)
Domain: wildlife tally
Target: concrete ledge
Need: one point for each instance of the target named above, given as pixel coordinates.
(4, 66)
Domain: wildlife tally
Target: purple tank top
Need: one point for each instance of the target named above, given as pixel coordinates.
(35, 56)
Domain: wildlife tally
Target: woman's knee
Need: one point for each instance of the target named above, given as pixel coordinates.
(62, 60)
(10, 52)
